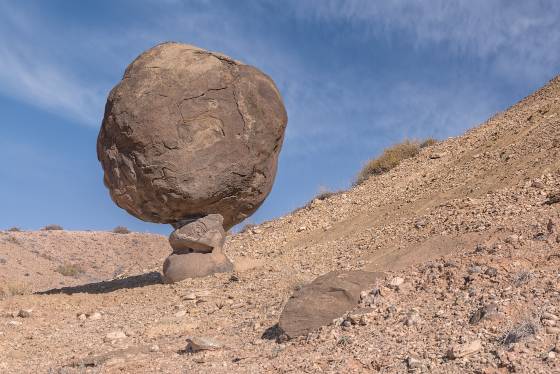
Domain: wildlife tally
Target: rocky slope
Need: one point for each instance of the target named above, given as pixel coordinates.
(467, 234)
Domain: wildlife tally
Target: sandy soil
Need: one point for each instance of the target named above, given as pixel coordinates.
(465, 225)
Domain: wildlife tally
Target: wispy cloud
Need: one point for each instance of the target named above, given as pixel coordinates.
(69, 71)
(516, 37)
(31, 72)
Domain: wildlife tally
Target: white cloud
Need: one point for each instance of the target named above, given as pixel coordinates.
(31, 72)
(42, 84)
(515, 37)
(38, 64)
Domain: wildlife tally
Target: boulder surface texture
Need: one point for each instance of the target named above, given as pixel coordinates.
(326, 298)
(187, 133)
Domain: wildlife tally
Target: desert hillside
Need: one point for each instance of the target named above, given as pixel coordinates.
(467, 234)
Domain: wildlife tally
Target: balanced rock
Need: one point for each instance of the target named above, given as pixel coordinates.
(326, 298)
(187, 133)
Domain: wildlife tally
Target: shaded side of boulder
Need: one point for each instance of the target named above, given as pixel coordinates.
(323, 300)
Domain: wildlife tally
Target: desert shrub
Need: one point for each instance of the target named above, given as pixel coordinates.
(14, 289)
(521, 331)
(121, 230)
(14, 229)
(52, 228)
(324, 195)
(390, 158)
(69, 270)
(522, 277)
(13, 240)
(428, 142)
(247, 227)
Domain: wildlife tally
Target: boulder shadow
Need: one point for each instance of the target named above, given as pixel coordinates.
(133, 281)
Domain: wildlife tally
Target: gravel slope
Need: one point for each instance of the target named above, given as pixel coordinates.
(467, 224)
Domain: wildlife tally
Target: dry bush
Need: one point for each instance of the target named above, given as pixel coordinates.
(521, 331)
(121, 230)
(246, 228)
(521, 278)
(428, 142)
(13, 240)
(69, 270)
(52, 228)
(389, 159)
(14, 289)
(14, 229)
(324, 195)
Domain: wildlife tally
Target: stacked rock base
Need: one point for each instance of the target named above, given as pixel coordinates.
(197, 249)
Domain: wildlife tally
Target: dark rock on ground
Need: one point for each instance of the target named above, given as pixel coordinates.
(323, 300)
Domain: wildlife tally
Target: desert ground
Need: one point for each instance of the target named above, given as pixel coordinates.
(467, 235)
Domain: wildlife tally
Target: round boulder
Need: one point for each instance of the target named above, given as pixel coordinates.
(188, 133)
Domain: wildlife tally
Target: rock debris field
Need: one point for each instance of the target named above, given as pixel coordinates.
(466, 236)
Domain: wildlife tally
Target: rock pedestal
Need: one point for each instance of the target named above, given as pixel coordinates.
(197, 249)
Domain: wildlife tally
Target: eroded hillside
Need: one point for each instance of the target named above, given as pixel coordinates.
(468, 227)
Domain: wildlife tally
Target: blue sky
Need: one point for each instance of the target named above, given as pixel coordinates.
(355, 75)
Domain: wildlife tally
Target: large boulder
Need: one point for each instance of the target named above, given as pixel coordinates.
(187, 133)
(326, 298)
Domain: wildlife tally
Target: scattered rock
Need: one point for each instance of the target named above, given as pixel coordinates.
(25, 313)
(484, 312)
(196, 344)
(550, 226)
(421, 223)
(512, 239)
(463, 350)
(413, 363)
(181, 313)
(359, 316)
(326, 298)
(550, 316)
(115, 335)
(491, 272)
(539, 236)
(412, 317)
(552, 198)
(396, 282)
(367, 299)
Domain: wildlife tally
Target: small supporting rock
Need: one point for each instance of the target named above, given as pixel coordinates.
(202, 235)
(197, 249)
